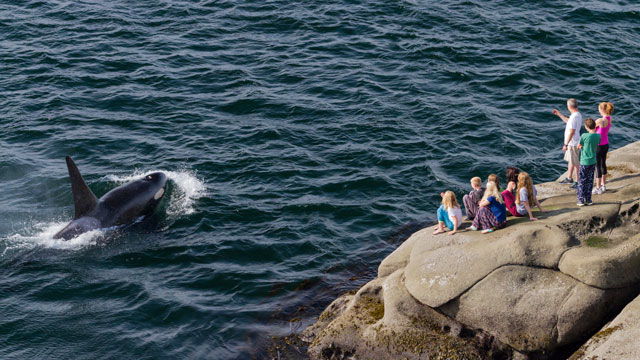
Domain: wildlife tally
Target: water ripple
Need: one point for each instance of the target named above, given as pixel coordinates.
(303, 141)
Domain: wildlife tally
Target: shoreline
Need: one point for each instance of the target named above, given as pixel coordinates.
(373, 312)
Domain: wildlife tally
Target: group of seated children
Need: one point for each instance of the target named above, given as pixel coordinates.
(487, 207)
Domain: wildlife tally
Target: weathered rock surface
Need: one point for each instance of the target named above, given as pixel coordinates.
(383, 321)
(436, 276)
(609, 268)
(536, 308)
(524, 291)
(620, 339)
(399, 258)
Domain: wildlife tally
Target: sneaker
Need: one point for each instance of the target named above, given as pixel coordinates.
(567, 181)
(589, 203)
(603, 189)
(574, 186)
(580, 203)
(596, 191)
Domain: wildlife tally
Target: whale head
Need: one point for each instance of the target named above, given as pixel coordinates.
(129, 201)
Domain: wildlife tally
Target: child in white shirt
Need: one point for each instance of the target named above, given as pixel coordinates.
(449, 214)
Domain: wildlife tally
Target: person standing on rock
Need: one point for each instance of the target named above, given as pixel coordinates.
(571, 138)
(588, 144)
(603, 125)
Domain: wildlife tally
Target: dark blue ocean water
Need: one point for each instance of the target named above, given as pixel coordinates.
(303, 141)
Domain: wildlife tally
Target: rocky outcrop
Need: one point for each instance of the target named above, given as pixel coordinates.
(618, 340)
(526, 291)
(532, 309)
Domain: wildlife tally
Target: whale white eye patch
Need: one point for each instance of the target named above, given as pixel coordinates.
(149, 177)
(159, 194)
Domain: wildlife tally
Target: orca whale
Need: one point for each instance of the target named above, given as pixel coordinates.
(119, 206)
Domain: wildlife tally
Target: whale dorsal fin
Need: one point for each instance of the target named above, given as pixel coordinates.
(83, 197)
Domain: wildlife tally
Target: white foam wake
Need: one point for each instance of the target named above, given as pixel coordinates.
(42, 235)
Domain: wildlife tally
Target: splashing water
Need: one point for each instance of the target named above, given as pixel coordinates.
(43, 236)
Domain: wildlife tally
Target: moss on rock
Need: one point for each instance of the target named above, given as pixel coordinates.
(604, 334)
(375, 308)
(596, 241)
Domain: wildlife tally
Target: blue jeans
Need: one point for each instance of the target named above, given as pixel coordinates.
(443, 216)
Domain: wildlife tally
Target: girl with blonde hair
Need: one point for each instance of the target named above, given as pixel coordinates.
(603, 125)
(526, 195)
(493, 212)
(449, 213)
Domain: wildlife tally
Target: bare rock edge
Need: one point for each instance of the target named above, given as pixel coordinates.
(529, 291)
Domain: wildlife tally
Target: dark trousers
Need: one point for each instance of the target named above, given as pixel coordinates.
(601, 160)
(585, 183)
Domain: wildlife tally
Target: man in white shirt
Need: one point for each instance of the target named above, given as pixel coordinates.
(571, 139)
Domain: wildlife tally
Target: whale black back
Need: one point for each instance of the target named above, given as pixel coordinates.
(83, 198)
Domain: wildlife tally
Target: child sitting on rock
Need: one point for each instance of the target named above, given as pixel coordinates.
(492, 213)
(588, 145)
(449, 214)
(510, 199)
(494, 178)
(526, 196)
(509, 195)
(472, 200)
(512, 176)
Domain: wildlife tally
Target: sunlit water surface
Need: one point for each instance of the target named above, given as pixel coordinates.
(302, 140)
